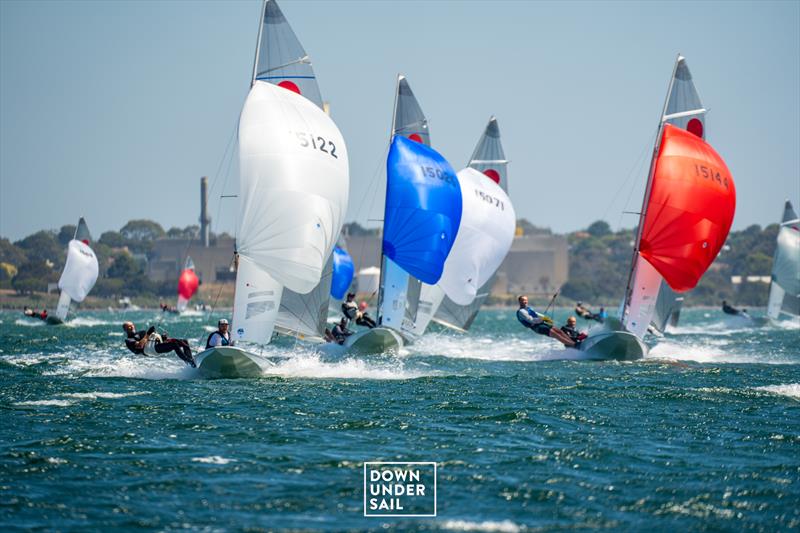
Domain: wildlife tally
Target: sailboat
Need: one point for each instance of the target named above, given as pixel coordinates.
(187, 285)
(687, 212)
(484, 238)
(488, 158)
(784, 289)
(79, 274)
(422, 214)
(682, 98)
(293, 191)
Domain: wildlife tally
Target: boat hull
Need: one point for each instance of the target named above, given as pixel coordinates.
(53, 321)
(375, 340)
(230, 362)
(613, 343)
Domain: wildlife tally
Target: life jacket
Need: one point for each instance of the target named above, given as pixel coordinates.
(523, 320)
(225, 340)
(350, 310)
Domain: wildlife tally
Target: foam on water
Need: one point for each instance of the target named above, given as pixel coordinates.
(29, 322)
(507, 348)
(504, 526)
(708, 351)
(213, 460)
(792, 390)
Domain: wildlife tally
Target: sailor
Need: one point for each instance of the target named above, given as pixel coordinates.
(33, 314)
(541, 324)
(350, 307)
(340, 331)
(136, 341)
(729, 309)
(601, 315)
(364, 319)
(582, 312)
(221, 337)
(570, 328)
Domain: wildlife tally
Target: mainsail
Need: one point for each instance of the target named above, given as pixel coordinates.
(292, 191)
(490, 159)
(80, 270)
(784, 291)
(421, 220)
(684, 110)
(687, 210)
(187, 284)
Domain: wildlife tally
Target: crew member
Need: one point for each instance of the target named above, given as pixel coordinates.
(729, 309)
(541, 324)
(571, 329)
(340, 331)
(136, 341)
(221, 337)
(33, 314)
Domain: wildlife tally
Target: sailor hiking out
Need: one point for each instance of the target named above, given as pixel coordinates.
(541, 324)
(151, 343)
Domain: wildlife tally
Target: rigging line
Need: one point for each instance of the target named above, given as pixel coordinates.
(214, 305)
(637, 163)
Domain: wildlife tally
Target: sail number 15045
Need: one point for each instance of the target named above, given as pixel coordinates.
(315, 142)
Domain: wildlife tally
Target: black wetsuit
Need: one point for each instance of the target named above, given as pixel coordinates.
(571, 332)
(366, 320)
(179, 346)
(729, 310)
(340, 333)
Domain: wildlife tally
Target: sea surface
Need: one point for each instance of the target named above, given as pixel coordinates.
(703, 434)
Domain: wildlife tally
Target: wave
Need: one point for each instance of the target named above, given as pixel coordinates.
(213, 460)
(710, 351)
(488, 348)
(504, 526)
(791, 390)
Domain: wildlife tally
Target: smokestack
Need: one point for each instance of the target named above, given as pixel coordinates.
(205, 220)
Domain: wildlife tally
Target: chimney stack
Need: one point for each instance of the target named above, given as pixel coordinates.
(205, 220)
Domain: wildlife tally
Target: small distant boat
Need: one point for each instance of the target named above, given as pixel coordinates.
(422, 213)
(687, 211)
(187, 285)
(784, 289)
(293, 189)
(79, 275)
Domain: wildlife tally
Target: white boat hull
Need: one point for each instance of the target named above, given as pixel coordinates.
(613, 342)
(375, 340)
(231, 362)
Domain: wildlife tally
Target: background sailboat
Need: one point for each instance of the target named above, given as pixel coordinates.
(484, 238)
(79, 274)
(490, 159)
(187, 285)
(422, 213)
(293, 188)
(687, 212)
(784, 289)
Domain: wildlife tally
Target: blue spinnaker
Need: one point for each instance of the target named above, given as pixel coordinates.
(342, 273)
(423, 209)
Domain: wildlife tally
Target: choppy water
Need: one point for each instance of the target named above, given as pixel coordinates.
(703, 434)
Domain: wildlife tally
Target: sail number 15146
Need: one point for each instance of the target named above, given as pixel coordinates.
(702, 171)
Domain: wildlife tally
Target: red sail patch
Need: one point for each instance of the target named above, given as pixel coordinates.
(187, 284)
(690, 209)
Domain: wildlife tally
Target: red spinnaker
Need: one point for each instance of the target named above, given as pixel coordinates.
(690, 210)
(187, 284)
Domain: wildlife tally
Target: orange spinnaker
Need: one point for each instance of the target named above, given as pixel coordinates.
(690, 211)
(187, 284)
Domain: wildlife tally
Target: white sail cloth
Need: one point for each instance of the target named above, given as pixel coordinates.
(80, 271)
(786, 266)
(294, 186)
(484, 237)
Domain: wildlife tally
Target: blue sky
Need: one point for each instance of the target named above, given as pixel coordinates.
(113, 110)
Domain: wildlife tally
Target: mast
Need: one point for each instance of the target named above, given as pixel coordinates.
(391, 137)
(258, 42)
(648, 188)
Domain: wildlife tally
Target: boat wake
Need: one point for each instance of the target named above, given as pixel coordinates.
(492, 348)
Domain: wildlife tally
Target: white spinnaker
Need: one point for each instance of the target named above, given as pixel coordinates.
(484, 238)
(255, 305)
(293, 189)
(682, 108)
(79, 276)
(785, 270)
